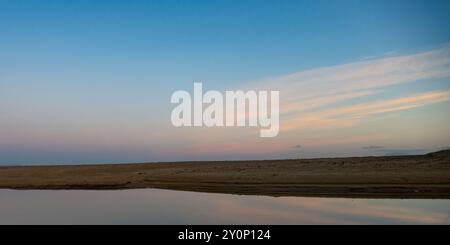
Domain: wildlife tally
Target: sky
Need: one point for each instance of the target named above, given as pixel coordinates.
(91, 81)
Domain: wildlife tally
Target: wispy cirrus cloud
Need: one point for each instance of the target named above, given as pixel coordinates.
(315, 104)
(349, 115)
(313, 98)
(363, 75)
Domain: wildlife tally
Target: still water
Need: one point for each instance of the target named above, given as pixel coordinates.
(152, 206)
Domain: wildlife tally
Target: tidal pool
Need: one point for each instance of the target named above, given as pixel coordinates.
(154, 206)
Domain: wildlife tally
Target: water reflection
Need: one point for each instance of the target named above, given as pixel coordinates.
(152, 206)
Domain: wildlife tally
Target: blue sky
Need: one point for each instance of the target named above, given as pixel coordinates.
(90, 81)
(235, 40)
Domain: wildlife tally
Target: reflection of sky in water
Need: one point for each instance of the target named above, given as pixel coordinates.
(151, 206)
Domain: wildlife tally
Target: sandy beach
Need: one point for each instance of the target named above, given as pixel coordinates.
(426, 176)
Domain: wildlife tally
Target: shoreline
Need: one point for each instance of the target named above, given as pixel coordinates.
(426, 176)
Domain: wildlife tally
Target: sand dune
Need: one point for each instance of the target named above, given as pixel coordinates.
(426, 176)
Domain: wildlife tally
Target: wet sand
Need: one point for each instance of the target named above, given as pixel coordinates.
(426, 176)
